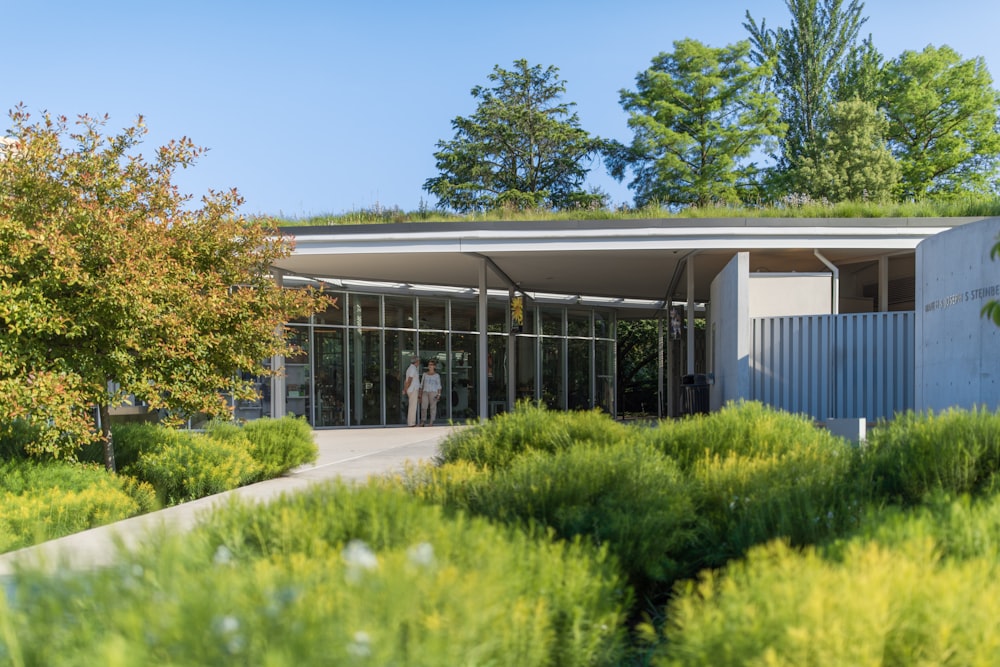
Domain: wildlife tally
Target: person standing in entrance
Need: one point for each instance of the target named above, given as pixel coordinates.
(430, 384)
(411, 389)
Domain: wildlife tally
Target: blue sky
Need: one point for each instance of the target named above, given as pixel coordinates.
(326, 107)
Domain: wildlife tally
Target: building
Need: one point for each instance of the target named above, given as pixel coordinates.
(811, 315)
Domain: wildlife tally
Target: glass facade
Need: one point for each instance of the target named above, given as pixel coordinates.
(350, 359)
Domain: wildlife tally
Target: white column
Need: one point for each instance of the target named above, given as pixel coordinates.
(483, 392)
(690, 315)
(278, 364)
(659, 367)
(511, 357)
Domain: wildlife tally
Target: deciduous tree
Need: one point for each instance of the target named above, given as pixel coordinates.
(110, 277)
(852, 162)
(698, 115)
(522, 148)
(942, 122)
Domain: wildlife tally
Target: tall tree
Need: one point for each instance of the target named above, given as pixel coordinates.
(852, 161)
(522, 148)
(943, 122)
(698, 114)
(110, 278)
(809, 56)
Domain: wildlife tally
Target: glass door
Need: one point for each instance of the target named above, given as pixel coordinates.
(329, 360)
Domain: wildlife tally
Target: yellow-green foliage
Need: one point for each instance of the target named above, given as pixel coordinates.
(280, 444)
(923, 589)
(529, 427)
(43, 501)
(955, 451)
(331, 576)
(185, 466)
(628, 497)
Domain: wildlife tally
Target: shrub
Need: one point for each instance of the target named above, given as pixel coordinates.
(184, 465)
(746, 428)
(530, 427)
(130, 441)
(916, 454)
(889, 601)
(759, 474)
(630, 499)
(332, 575)
(280, 444)
(43, 501)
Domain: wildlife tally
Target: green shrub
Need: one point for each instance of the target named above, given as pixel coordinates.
(630, 499)
(890, 601)
(330, 576)
(184, 465)
(758, 474)
(916, 454)
(530, 427)
(130, 441)
(746, 428)
(43, 501)
(280, 444)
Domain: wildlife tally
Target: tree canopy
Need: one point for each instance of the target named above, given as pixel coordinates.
(698, 114)
(852, 161)
(522, 148)
(109, 277)
(942, 122)
(814, 52)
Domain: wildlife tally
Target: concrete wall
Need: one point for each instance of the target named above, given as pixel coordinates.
(729, 332)
(786, 294)
(956, 357)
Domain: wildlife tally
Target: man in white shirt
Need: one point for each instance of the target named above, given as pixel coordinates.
(411, 389)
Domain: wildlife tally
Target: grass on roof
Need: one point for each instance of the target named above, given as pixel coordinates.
(955, 208)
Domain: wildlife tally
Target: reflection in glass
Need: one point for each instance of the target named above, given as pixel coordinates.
(399, 347)
(329, 377)
(604, 371)
(364, 310)
(366, 374)
(497, 379)
(298, 386)
(433, 313)
(463, 378)
(399, 312)
(334, 314)
(552, 321)
(525, 357)
(578, 371)
(578, 323)
(463, 316)
(553, 384)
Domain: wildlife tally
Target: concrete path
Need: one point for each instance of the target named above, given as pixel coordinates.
(350, 454)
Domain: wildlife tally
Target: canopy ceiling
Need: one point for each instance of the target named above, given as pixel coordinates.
(636, 259)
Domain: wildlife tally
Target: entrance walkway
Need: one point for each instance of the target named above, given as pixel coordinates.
(349, 454)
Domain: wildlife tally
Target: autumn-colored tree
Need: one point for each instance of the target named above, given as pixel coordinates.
(113, 283)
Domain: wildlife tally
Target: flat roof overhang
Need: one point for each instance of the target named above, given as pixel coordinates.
(636, 259)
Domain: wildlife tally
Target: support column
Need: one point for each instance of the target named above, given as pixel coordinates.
(511, 356)
(483, 392)
(278, 363)
(883, 284)
(690, 315)
(659, 367)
